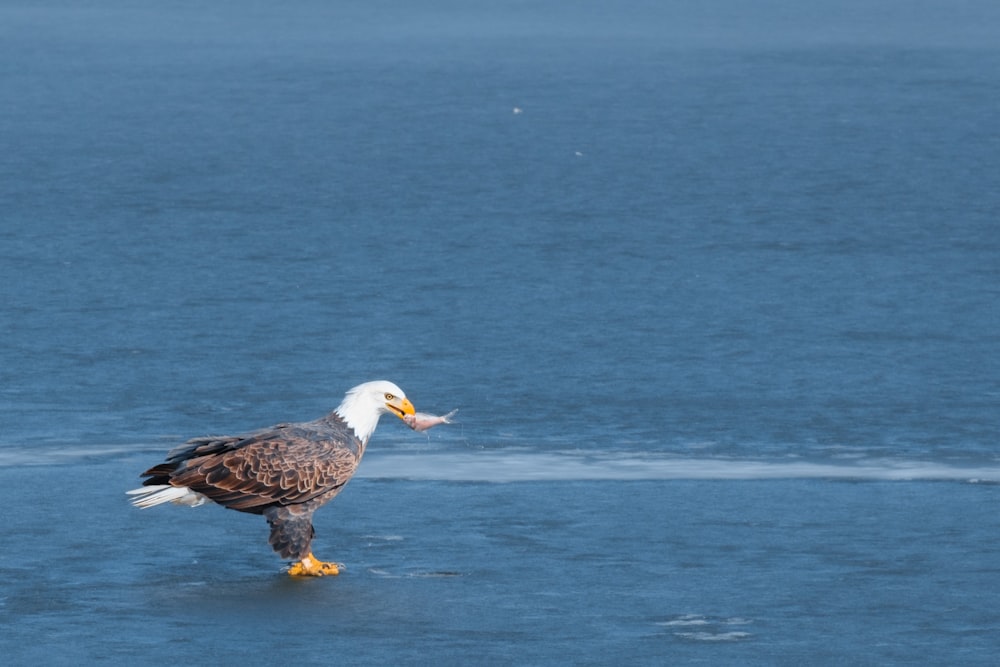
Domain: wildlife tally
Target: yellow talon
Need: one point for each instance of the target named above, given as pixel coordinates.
(310, 566)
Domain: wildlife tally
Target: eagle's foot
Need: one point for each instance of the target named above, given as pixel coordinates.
(310, 566)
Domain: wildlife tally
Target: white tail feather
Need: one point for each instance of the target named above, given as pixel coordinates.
(157, 494)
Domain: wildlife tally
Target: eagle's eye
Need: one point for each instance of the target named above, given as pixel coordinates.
(389, 397)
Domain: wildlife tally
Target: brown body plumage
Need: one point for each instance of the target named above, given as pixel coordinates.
(284, 472)
(291, 467)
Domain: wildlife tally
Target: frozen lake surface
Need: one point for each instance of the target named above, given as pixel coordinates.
(714, 290)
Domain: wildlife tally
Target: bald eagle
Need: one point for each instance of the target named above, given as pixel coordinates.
(285, 472)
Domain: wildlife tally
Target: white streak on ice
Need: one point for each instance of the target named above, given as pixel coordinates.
(520, 466)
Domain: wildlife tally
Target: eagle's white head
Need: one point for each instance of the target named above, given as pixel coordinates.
(363, 405)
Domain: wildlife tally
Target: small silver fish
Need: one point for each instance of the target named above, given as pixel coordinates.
(421, 421)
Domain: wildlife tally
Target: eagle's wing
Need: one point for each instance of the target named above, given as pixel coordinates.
(284, 465)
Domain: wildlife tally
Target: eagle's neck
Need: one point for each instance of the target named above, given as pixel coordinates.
(360, 416)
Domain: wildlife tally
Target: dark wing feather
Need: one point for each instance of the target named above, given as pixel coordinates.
(283, 465)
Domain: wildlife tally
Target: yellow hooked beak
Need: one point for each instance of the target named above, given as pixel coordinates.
(400, 406)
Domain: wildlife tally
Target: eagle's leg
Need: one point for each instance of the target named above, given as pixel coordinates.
(310, 566)
(291, 536)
